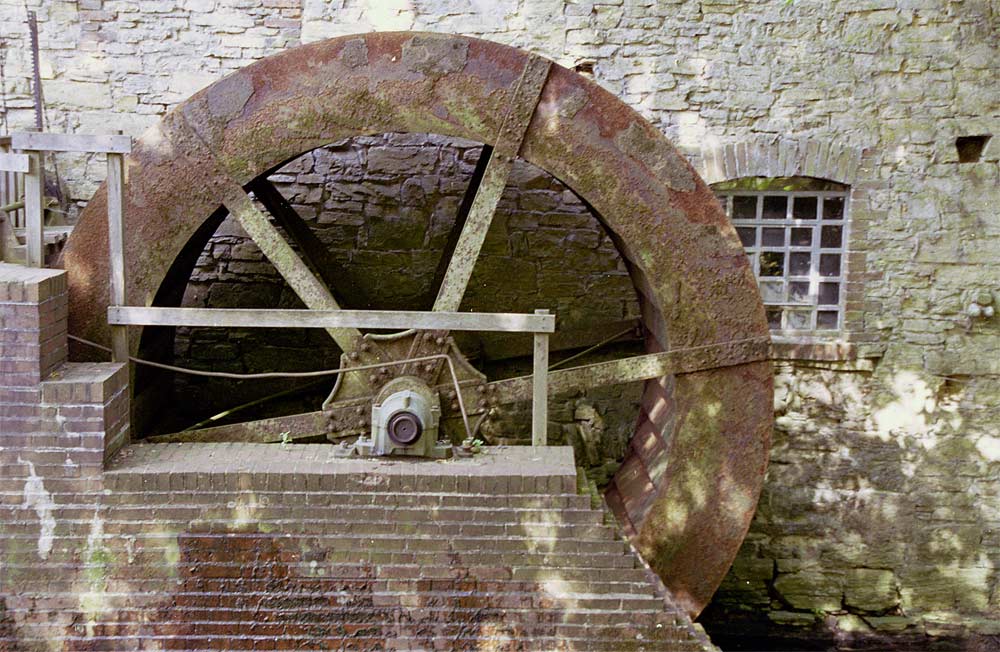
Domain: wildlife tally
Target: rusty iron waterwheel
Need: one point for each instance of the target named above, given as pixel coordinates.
(695, 465)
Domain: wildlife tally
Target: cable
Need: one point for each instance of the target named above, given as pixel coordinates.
(221, 374)
(334, 372)
(592, 348)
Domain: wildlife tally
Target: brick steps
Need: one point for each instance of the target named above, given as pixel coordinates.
(423, 500)
(286, 515)
(370, 556)
(482, 640)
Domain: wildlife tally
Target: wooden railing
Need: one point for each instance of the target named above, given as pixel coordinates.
(12, 169)
(541, 324)
(23, 179)
(22, 159)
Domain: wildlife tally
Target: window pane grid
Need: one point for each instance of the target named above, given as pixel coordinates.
(796, 244)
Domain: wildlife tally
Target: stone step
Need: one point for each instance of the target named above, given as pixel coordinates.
(15, 251)
(337, 499)
(215, 600)
(154, 563)
(28, 531)
(51, 579)
(282, 515)
(483, 640)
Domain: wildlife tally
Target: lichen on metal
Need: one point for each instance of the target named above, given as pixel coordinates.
(693, 473)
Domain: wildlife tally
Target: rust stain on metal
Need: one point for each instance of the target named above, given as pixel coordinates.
(662, 158)
(695, 285)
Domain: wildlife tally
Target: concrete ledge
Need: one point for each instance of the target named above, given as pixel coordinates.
(239, 466)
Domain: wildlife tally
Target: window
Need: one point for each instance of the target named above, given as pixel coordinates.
(794, 230)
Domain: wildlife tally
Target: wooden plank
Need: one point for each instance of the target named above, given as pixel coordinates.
(34, 202)
(14, 163)
(508, 144)
(540, 389)
(330, 319)
(114, 144)
(116, 251)
(301, 279)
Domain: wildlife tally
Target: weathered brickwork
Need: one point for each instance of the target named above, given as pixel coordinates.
(231, 547)
(880, 515)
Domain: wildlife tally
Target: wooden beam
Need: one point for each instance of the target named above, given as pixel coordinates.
(116, 249)
(507, 146)
(540, 389)
(34, 211)
(330, 319)
(71, 143)
(14, 163)
(315, 253)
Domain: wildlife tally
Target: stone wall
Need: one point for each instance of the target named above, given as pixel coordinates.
(880, 515)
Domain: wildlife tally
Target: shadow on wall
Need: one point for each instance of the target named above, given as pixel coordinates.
(878, 526)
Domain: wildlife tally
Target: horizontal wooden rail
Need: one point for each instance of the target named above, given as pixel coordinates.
(14, 163)
(34, 141)
(258, 318)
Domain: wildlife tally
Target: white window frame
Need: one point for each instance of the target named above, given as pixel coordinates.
(810, 301)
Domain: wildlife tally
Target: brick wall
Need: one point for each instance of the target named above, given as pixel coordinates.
(879, 517)
(229, 546)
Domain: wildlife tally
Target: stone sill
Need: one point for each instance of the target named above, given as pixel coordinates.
(834, 353)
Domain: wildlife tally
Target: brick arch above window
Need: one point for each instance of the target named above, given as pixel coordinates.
(777, 158)
(781, 157)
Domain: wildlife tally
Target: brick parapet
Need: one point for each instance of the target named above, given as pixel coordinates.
(88, 404)
(59, 420)
(33, 307)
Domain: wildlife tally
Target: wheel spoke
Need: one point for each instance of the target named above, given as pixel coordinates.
(470, 242)
(487, 194)
(295, 426)
(462, 217)
(303, 282)
(496, 349)
(640, 367)
(313, 250)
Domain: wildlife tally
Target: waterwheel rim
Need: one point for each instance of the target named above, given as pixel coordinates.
(690, 482)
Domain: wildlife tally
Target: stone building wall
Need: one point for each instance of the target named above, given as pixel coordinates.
(881, 513)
